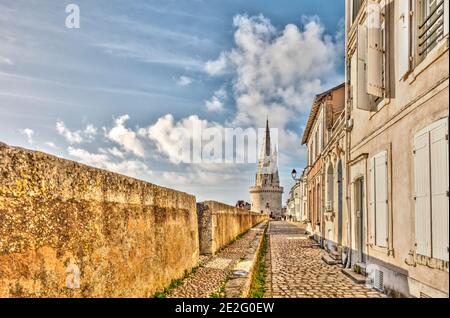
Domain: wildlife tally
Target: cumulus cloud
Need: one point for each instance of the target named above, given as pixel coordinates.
(216, 103)
(113, 151)
(173, 139)
(217, 67)
(184, 81)
(77, 136)
(132, 168)
(125, 137)
(28, 133)
(278, 72)
(86, 157)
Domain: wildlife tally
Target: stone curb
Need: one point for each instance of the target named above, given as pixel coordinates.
(238, 286)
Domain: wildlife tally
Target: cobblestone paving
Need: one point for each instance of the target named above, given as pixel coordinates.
(297, 270)
(213, 270)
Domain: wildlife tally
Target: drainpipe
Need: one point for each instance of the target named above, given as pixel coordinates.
(348, 262)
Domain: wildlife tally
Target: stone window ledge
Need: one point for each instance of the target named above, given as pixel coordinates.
(414, 259)
(431, 57)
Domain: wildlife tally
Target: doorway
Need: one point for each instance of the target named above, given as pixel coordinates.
(360, 218)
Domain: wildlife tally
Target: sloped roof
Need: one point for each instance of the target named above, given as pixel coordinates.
(314, 111)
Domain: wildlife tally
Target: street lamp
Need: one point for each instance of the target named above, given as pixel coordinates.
(294, 175)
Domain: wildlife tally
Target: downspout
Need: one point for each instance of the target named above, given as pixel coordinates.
(348, 262)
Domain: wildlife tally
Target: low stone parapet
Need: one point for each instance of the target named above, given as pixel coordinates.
(69, 230)
(220, 224)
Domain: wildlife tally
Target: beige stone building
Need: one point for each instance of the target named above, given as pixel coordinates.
(267, 193)
(296, 208)
(397, 143)
(324, 120)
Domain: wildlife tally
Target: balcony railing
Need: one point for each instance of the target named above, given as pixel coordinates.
(431, 30)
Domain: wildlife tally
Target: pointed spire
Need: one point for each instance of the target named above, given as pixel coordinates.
(267, 140)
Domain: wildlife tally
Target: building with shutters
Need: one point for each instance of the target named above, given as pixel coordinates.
(326, 112)
(397, 109)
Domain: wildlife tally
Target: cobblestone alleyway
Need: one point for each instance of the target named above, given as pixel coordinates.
(295, 268)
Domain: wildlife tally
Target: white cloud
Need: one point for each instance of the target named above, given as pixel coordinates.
(86, 157)
(218, 66)
(184, 81)
(78, 136)
(131, 168)
(214, 105)
(28, 133)
(277, 73)
(173, 138)
(50, 144)
(5, 60)
(125, 137)
(90, 131)
(113, 151)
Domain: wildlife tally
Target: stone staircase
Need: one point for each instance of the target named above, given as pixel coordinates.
(333, 257)
(358, 273)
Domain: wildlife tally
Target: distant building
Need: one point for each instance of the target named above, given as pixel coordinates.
(267, 193)
(241, 204)
(296, 205)
(327, 112)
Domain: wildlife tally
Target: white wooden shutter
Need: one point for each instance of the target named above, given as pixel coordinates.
(403, 37)
(372, 202)
(381, 200)
(354, 79)
(439, 188)
(422, 194)
(374, 50)
(362, 100)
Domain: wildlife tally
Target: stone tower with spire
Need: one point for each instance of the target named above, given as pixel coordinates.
(267, 194)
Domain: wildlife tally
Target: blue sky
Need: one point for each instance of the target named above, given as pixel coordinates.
(110, 93)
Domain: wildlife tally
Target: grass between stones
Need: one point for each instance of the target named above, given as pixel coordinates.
(174, 284)
(221, 292)
(258, 288)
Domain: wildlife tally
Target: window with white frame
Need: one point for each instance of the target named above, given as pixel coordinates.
(431, 190)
